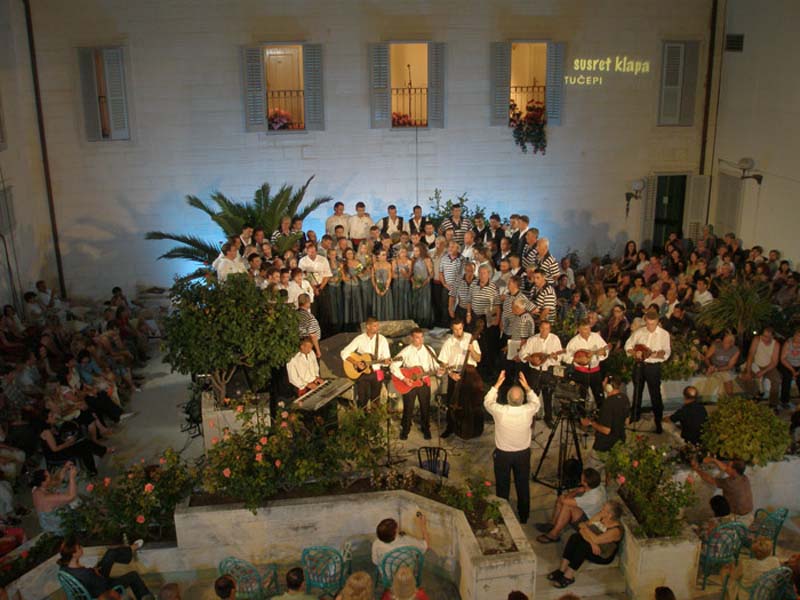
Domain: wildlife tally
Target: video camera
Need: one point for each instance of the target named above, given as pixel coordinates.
(570, 401)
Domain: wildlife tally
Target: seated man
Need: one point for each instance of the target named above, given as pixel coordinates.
(295, 586)
(225, 587)
(576, 506)
(762, 364)
(389, 538)
(691, 416)
(303, 369)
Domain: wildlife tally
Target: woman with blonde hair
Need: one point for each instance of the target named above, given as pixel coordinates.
(358, 586)
(404, 587)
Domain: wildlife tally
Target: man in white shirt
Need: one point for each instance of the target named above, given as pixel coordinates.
(359, 224)
(389, 537)
(337, 218)
(585, 351)
(469, 246)
(368, 385)
(392, 224)
(575, 506)
(229, 263)
(418, 355)
(303, 368)
(539, 353)
(512, 439)
(416, 224)
(650, 347)
(464, 385)
(702, 295)
(316, 268)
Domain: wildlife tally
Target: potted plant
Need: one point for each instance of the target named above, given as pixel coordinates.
(529, 126)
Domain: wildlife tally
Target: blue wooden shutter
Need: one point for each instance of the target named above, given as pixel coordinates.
(312, 87)
(554, 96)
(436, 75)
(91, 103)
(380, 99)
(500, 82)
(669, 110)
(255, 89)
(691, 60)
(697, 206)
(116, 100)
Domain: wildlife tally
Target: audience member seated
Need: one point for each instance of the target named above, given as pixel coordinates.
(690, 417)
(48, 495)
(60, 444)
(750, 569)
(295, 586)
(597, 541)
(574, 507)
(735, 486)
(98, 580)
(609, 427)
(225, 587)
(722, 514)
(404, 587)
(762, 364)
(359, 586)
(790, 366)
(389, 538)
(720, 360)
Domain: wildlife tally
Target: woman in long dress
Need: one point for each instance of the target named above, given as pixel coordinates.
(439, 292)
(382, 284)
(364, 256)
(421, 299)
(334, 293)
(401, 284)
(351, 286)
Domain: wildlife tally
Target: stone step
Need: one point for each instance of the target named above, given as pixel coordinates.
(607, 582)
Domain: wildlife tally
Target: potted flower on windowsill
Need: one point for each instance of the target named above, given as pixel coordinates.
(529, 126)
(279, 119)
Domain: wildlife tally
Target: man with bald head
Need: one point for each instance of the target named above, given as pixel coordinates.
(512, 439)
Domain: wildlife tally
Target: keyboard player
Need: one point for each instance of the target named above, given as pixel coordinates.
(303, 368)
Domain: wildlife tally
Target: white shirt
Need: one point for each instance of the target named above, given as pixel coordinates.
(302, 369)
(594, 342)
(226, 267)
(334, 220)
(454, 349)
(392, 226)
(359, 226)
(316, 268)
(414, 357)
(657, 340)
(296, 290)
(512, 424)
(381, 549)
(363, 344)
(537, 344)
(469, 252)
(703, 298)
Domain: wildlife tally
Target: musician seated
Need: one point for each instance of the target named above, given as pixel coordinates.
(609, 427)
(303, 368)
(575, 506)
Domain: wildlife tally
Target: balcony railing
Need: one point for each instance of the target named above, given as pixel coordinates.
(285, 109)
(409, 107)
(522, 94)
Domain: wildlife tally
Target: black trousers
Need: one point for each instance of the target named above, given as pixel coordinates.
(423, 394)
(518, 463)
(367, 388)
(545, 392)
(650, 374)
(578, 550)
(786, 383)
(122, 555)
(592, 381)
(104, 407)
(489, 343)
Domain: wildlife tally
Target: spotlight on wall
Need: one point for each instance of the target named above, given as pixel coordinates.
(637, 187)
(748, 164)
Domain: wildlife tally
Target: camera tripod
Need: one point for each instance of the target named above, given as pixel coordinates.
(566, 427)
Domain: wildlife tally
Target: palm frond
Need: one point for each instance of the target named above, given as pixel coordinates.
(297, 197)
(195, 202)
(198, 273)
(193, 248)
(313, 205)
(284, 243)
(261, 199)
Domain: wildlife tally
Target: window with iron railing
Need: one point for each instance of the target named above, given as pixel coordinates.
(283, 66)
(408, 65)
(528, 73)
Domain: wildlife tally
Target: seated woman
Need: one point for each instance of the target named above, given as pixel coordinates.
(98, 581)
(720, 359)
(68, 444)
(751, 568)
(404, 587)
(597, 541)
(722, 514)
(49, 496)
(358, 586)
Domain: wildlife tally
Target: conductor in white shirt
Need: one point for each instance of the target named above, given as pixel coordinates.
(650, 347)
(368, 385)
(512, 439)
(416, 354)
(303, 368)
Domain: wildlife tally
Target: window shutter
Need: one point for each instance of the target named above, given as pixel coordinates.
(255, 90)
(91, 105)
(380, 99)
(116, 101)
(648, 213)
(312, 87)
(728, 212)
(691, 60)
(436, 70)
(554, 95)
(696, 206)
(500, 91)
(679, 73)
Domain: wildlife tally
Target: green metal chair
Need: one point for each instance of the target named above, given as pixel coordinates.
(773, 585)
(404, 556)
(250, 583)
(722, 548)
(75, 590)
(324, 569)
(767, 524)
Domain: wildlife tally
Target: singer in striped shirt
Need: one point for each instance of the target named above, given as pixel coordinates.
(547, 262)
(543, 297)
(457, 223)
(451, 267)
(513, 292)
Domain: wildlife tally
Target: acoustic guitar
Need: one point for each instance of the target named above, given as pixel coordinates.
(537, 359)
(416, 375)
(583, 357)
(351, 369)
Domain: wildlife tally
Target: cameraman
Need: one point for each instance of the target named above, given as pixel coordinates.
(609, 427)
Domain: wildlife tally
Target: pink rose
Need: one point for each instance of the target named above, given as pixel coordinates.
(259, 457)
(24, 554)
(130, 475)
(690, 480)
(284, 424)
(148, 487)
(635, 464)
(226, 472)
(285, 415)
(107, 481)
(259, 448)
(487, 483)
(263, 440)
(621, 479)
(162, 461)
(90, 488)
(278, 463)
(226, 400)
(140, 519)
(469, 494)
(212, 423)
(240, 409)
(214, 441)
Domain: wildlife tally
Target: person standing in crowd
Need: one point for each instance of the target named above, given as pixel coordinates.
(520, 328)
(417, 223)
(451, 269)
(353, 309)
(421, 294)
(359, 224)
(650, 347)
(609, 426)
(460, 355)
(457, 224)
(392, 224)
(512, 438)
(383, 302)
(543, 297)
(585, 351)
(401, 285)
(486, 307)
(461, 300)
(529, 253)
(229, 263)
(539, 354)
(338, 219)
(368, 386)
(416, 354)
(762, 364)
(691, 416)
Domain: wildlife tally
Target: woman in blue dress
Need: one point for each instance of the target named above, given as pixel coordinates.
(334, 292)
(421, 300)
(364, 256)
(401, 285)
(382, 284)
(351, 286)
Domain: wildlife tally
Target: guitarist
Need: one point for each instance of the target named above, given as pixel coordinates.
(650, 347)
(368, 385)
(547, 344)
(416, 354)
(461, 354)
(586, 372)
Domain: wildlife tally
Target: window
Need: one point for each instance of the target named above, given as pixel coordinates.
(406, 85)
(105, 105)
(523, 72)
(678, 83)
(283, 87)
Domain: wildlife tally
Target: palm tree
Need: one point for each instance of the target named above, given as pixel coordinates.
(264, 211)
(742, 307)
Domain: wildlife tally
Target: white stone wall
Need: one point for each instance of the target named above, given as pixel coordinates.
(184, 92)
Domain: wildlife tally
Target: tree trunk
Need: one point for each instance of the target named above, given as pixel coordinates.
(219, 384)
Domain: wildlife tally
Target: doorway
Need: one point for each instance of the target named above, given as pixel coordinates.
(669, 204)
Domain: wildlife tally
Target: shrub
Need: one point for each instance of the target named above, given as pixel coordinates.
(742, 429)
